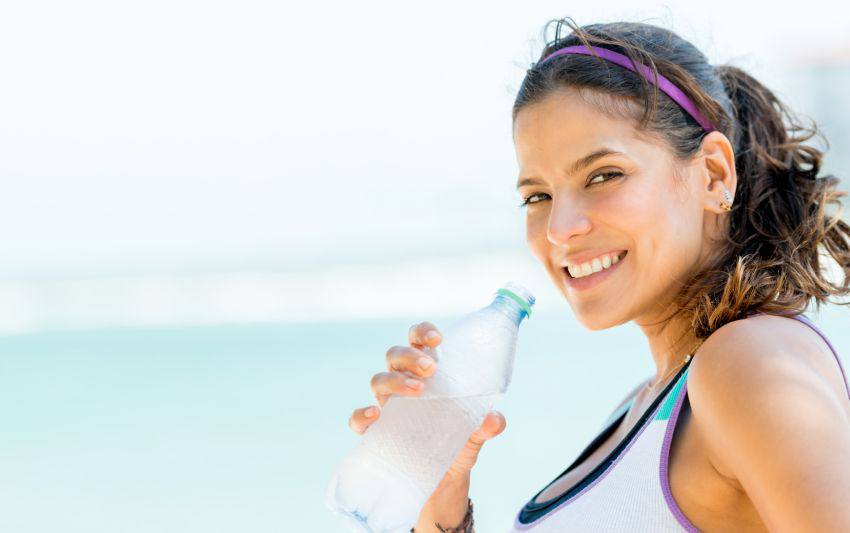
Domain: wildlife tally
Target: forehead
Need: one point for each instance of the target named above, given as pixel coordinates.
(566, 123)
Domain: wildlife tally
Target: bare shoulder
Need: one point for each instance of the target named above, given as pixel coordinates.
(761, 379)
(765, 351)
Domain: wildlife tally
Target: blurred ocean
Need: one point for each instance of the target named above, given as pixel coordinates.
(224, 428)
(208, 246)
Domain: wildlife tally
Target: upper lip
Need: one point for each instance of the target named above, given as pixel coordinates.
(586, 257)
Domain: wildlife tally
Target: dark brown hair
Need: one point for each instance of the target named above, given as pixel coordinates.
(780, 220)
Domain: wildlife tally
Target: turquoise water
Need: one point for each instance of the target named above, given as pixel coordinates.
(237, 428)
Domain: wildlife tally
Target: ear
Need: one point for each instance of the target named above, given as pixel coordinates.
(718, 169)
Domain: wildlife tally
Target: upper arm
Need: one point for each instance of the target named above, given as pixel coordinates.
(773, 423)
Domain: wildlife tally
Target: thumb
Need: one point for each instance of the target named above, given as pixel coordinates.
(493, 424)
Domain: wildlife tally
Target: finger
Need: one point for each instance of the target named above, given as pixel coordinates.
(493, 424)
(386, 383)
(410, 359)
(424, 334)
(362, 418)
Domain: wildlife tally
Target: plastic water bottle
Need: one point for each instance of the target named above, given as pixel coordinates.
(382, 485)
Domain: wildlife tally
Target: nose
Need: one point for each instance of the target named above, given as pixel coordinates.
(567, 219)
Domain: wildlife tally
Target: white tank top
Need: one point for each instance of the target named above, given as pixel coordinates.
(629, 490)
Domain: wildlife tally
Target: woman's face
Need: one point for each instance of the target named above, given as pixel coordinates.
(583, 205)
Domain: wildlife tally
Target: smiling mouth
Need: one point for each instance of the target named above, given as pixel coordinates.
(567, 270)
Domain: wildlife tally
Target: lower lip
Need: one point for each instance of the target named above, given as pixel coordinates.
(586, 282)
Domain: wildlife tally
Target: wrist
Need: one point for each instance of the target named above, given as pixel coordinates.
(447, 506)
(465, 525)
(449, 502)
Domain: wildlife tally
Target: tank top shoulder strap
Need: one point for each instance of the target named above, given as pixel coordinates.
(667, 407)
(806, 320)
(669, 402)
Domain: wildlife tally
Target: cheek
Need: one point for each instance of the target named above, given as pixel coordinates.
(634, 211)
(647, 215)
(535, 233)
(666, 228)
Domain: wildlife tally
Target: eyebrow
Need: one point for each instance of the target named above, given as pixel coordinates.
(577, 166)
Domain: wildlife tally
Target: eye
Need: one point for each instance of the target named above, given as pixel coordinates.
(530, 199)
(536, 198)
(610, 175)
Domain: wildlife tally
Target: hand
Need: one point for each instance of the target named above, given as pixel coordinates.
(407, 367)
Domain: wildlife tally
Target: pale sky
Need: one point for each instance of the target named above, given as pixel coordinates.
(179, 135)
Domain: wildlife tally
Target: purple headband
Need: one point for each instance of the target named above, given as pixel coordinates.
(663, 83)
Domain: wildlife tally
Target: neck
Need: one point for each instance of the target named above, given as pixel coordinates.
(670, 339)
(669, 342)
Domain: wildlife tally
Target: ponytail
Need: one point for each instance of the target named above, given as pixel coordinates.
(780, 221)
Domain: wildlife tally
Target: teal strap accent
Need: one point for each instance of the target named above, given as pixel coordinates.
(521, 301)
(667, 408)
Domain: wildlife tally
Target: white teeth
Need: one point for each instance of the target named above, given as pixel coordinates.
(597, 264)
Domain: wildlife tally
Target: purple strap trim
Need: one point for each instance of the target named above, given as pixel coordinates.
(663, 83)
(806, 320)
(665, 459)
(671, 428)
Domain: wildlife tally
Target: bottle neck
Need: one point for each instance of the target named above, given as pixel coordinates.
(509, 308)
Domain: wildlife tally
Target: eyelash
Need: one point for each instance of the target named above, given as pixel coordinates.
(614, 174)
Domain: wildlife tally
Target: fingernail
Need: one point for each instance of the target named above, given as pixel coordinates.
(370, 412)
(425, 362)
(431, 335)
(412, 383)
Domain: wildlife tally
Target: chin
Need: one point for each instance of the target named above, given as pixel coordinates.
(597, 325)
(597, 319)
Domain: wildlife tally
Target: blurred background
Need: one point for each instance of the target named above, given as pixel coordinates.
(217, 216)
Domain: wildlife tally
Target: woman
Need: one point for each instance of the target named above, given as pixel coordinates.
(689, 205)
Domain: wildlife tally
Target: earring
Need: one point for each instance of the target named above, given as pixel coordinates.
(726, 205)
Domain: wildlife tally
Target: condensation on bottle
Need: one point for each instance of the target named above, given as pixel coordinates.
(381, 485)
